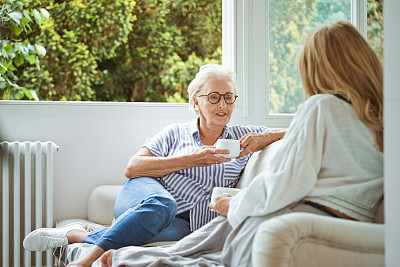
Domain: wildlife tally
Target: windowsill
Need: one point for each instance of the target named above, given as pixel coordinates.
(84, 109)
(94, 109)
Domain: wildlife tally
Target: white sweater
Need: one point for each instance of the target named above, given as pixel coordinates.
(328, 156)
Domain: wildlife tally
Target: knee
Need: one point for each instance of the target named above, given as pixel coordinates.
(167, 207)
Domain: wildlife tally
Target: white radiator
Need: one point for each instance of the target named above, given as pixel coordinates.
(26, 199)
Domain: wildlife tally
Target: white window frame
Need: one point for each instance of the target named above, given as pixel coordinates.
(245, 45)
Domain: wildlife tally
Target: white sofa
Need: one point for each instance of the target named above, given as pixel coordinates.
(296, 239)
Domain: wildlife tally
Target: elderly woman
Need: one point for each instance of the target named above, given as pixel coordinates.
(170, 179)
(329, 163)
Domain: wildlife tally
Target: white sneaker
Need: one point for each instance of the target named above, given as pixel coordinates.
(48, 238)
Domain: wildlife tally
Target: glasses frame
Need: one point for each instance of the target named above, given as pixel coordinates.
(219, 98)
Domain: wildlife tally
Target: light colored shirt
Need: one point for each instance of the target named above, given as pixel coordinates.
(328, 156)
(192, 188)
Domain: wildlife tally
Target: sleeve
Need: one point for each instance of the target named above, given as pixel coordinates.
(293, 171)
(160, 146)
(161, 143)
(258, 129)
(253, 129)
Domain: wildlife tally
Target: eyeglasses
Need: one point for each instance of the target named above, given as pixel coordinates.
(215, 97)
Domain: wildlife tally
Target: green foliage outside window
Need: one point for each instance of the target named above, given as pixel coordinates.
(289, 23)
(79, 36)
(124, 50)
(147, 50)
(375, 25)
(18, 23)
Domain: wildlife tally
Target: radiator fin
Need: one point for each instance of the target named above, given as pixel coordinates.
(26, 188)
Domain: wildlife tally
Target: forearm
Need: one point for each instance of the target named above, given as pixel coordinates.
(279, 132)
(148, 166)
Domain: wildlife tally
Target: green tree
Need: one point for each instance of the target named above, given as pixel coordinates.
(289, 23)
(125, 51)
(79, 36)
(168, 43)
(375, 25)
(19, 21)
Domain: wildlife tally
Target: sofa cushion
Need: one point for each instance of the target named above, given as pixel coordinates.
(101, 203)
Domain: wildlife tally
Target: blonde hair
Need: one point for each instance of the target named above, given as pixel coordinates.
(336, 59)
(206, 72)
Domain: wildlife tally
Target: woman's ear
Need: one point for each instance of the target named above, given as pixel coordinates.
(196, 104)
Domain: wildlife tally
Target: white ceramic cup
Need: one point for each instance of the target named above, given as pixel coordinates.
(224, 191)
(232, 145)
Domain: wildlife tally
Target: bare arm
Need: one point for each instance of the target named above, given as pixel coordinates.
(144, 164)
(253, 142)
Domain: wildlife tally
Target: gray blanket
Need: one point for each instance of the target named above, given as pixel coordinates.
(215, 244)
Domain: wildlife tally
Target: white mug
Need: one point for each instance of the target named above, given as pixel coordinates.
(224, 191)
(232, 145)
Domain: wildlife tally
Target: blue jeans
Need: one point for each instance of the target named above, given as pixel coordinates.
(144, 212)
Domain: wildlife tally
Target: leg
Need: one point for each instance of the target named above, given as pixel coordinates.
(176, 230)
(142, 210)
(88, 258)
(76, 236)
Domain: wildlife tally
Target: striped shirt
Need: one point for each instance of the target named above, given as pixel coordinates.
(192, 188)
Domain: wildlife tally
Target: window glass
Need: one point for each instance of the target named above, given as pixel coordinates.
(289, 22)
(121, 50)
(375, 25)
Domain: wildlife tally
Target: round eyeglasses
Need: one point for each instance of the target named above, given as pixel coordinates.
(215, 97)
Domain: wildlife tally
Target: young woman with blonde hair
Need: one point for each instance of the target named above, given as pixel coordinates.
(331, 64)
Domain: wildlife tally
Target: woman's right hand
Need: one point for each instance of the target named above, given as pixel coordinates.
(208, 155)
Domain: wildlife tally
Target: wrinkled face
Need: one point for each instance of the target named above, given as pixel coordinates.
(218, 114)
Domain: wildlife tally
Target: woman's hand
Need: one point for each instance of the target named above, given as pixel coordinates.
(221, 205)
(208, 155)
(253, 142)
(106, 258)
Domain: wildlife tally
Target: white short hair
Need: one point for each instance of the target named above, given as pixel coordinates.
(206, 72)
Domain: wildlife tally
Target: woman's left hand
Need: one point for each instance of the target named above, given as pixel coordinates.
(221, 205)
(253, 142)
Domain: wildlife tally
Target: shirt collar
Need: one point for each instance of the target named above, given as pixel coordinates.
(194, 130)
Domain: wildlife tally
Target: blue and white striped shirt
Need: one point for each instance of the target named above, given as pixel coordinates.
(192, 187)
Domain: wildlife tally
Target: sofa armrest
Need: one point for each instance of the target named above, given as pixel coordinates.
(101, 203)
(304, 239)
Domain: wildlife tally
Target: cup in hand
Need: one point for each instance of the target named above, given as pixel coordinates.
(232, 145)
(227, 191)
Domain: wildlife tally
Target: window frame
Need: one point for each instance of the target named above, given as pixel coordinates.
(244, 39)
(247, 55)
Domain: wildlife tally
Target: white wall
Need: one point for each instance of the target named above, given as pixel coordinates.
(96, 141)
(392, 130)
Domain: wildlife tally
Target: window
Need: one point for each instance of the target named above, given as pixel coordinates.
(268, 35)
(122, 50)
(253, 34)
(288, 24)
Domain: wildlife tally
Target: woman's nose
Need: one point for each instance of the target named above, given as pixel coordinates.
(222, 101)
